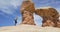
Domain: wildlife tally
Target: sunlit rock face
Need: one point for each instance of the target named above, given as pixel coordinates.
(27, 18)
(48, 23)
(48, 13)
(28, 6)
(27, 9)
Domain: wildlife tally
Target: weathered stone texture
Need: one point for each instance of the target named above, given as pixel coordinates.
(28, 6)
(27, 18)
(27, 9)
(49, 15)
(46, 14)
(48, 23)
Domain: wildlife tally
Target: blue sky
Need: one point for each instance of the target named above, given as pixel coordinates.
(9, 9)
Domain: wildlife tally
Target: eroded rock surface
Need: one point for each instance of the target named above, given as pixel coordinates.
(48, 23)
(27, 18)
(27, 9)
(48, 13)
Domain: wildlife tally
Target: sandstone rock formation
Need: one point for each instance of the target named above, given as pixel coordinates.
(48, 23)
(48, 13)
(28, 6)
(27, 9)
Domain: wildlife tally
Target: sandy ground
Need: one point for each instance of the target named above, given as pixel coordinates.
(28, 28)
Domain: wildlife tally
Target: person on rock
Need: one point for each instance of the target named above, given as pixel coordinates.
(15, 20)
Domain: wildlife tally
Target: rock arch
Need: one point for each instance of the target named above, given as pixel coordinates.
(48, 13)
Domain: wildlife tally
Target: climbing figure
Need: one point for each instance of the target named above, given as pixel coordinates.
(15, 20)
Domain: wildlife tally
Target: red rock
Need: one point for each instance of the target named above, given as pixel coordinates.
(27, 9)
(48, 13)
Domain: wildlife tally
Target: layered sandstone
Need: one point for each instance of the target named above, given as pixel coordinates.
(28, 6)
(27, 9)
(48, 23)
(48, 13)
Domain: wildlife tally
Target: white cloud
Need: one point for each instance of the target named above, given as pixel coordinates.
(8, 6)
(7, 10)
